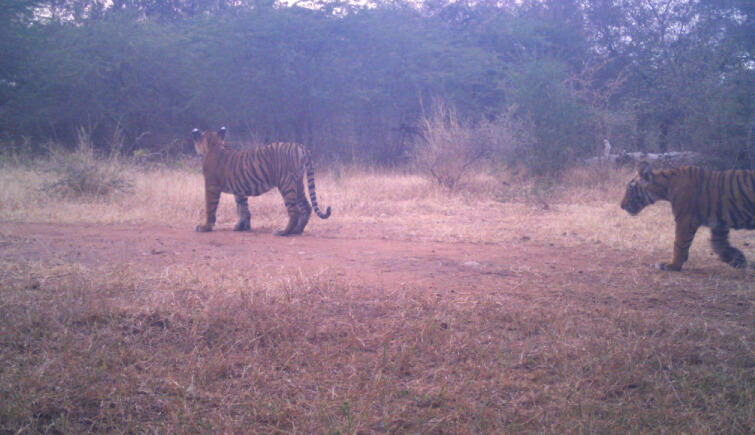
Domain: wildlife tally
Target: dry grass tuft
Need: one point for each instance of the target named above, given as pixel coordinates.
(81, 174)
(450, 148)
(113, 350)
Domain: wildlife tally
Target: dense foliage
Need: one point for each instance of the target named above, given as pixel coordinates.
(357, 81)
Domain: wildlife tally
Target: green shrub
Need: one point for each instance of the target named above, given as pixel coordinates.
(561, 128)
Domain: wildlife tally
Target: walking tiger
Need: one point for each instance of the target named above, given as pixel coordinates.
(720, 200)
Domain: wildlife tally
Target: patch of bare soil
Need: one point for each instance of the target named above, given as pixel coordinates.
(531, 271)
(373, 262)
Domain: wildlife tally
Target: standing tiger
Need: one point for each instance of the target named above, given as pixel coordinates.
(720, 200)
(254, 172)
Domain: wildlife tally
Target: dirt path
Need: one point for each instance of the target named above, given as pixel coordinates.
(372, 262)
(523, 271)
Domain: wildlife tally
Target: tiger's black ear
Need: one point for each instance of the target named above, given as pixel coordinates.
(222, 132)
(645, 172)
(196, 134)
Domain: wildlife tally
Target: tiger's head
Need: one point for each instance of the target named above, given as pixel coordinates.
(642, 190)
(206, 141)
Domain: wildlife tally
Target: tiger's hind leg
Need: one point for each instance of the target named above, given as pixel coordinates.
(292, 207)
(719, 239)
(305, 210)
(245, 216)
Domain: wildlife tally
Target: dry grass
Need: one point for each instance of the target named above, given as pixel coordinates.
(81, 173)
(118, 349)
(113, 350)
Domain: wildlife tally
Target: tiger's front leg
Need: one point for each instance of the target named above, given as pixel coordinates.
(212, 198)
(685, 233)
(245, 216)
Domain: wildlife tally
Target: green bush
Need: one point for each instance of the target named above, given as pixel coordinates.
(561, 128)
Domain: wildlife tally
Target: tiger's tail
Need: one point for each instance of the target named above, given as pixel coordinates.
(311, 186)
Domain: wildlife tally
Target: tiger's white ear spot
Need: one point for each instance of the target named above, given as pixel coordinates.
(196, 134)
(222, 132)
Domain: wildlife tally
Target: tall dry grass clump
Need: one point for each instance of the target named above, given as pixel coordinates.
(452, 148)
(596, 182)
(17, 153)
(81, 173)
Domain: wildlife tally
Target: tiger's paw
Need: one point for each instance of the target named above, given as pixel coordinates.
(243, 226)
(668, 267)
(740, 263)
(203, 228)
(280, 233)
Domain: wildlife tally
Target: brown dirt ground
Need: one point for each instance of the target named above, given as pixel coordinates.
(364, 261)
(542, 273)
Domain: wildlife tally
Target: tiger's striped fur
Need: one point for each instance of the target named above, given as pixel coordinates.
(254, 172)
(720, 200)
